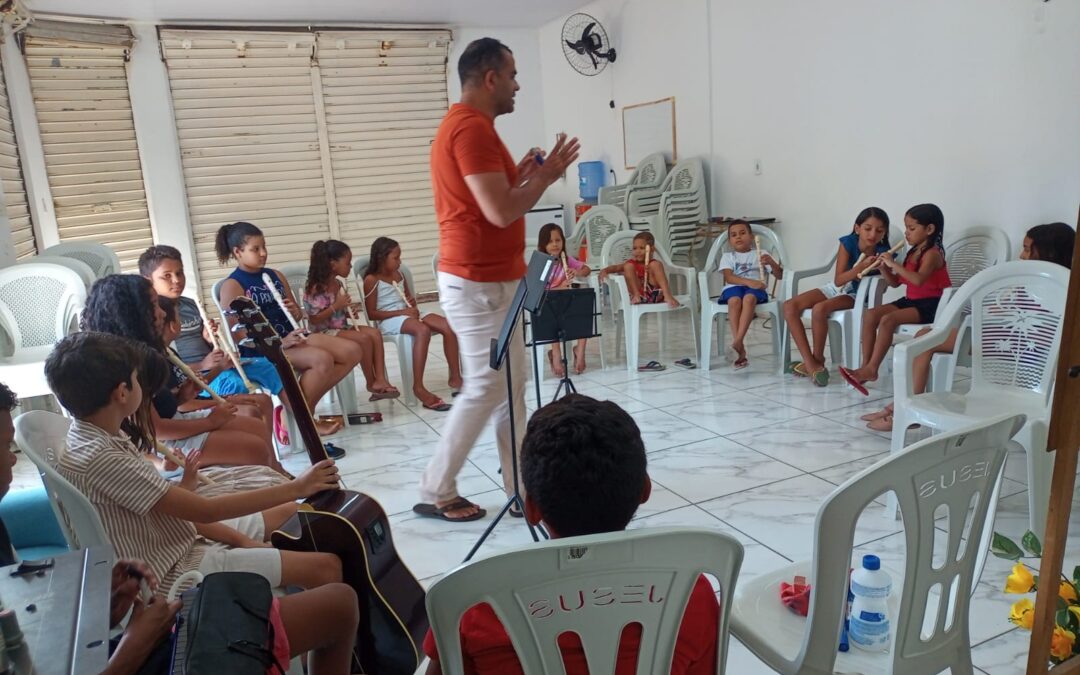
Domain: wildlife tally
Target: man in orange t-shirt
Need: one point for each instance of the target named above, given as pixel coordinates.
(481, 197)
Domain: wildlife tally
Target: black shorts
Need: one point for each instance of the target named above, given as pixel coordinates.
(927, 307)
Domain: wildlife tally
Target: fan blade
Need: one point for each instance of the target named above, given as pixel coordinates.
(585, 34)
(576, 46)
(594, 63)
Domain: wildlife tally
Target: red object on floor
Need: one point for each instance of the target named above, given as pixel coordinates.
(796, 596)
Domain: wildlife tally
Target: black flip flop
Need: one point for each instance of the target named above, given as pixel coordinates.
(439, 512)
(686, 363)
(333, 451)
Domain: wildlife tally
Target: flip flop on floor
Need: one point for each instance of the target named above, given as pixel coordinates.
(651, 366)
(686, 363)
(439, 512)
(796, 368)
(850, 378)
(438, 406)
(820, 377)
(740, 363)
(382, 395)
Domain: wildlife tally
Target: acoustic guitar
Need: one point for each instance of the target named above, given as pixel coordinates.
(393, 619)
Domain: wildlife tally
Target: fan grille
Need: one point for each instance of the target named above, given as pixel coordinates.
(586, 45)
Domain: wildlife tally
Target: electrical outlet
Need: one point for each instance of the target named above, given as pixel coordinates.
(757, 167)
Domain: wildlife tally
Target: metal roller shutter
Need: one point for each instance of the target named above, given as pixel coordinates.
(11, 177)
(249, 141)
(384, 94)
(78, 75)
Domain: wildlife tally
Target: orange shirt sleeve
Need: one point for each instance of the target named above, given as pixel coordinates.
(476, 148)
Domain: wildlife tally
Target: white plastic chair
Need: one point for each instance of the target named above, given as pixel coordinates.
(657, 563)
(711, 282)
(402, 343)
(595, 226)
(683, 207)
(1018, 309)
(43, 437)
(845, 325)
(73, 264)
(40, 304)
(345, 389)
(102, 259)
(648, 175)
(617, 249)
(957, 475)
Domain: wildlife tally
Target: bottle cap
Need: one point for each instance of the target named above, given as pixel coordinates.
(871, 562)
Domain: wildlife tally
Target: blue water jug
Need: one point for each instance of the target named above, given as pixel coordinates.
(590, 179)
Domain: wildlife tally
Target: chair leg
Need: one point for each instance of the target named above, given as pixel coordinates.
(838, 346)
(633, 336)
(662, 330)
(1040, 469)
(940, 372)
(778, 332)
(705, 355)
(404, 351)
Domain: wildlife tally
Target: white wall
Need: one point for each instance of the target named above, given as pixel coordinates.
(662, 50)
(970, 104)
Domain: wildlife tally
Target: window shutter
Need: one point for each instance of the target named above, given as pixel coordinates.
(11, 178)
(78, 75)
(384, 95)
(249, 141)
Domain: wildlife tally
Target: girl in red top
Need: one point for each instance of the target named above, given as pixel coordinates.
(633, 270)
(923, 272)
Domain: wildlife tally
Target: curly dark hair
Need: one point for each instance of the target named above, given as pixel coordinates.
(123, 304)
(153, 371)
(85, 368)
(151, 258)
(583, 464)
(323, 253)
(8, 399)
(381, 248)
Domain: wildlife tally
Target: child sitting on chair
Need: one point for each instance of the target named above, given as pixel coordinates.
(645, 286)
(570, 445)
(553, 242)
(389, 300)
(744, 286)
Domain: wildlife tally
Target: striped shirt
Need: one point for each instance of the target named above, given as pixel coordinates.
(124, 488)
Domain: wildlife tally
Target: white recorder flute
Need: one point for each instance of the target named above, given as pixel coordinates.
(219, 343)
(760, 265)
(565, 266)
(877, 263)
(176, 459)
(645, 281)
(401, 292)
(354, 322)
(279, 300)
(186, 370)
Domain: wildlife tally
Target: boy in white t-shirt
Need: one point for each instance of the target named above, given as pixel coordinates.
(744, 288)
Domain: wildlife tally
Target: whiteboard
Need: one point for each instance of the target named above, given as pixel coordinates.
(648, 128)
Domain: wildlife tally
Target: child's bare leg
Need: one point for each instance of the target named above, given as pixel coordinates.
(275, 517)
(869, 329)
(232, 446)
(746, 316)
(440, 325)
(308, 569)
(421, 336)
(579, 357)
(555, 355)
(257, 405)
(374, 345)
(660, 275)
(734, 311)
(793, 310)
(819, 321)
(886, 328)
(920, 372)
(319, 374)
(633, 286)
(322, 622)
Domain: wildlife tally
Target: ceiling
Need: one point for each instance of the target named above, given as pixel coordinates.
(523, 13)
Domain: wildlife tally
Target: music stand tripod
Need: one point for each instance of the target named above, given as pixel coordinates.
(565, 315)
(529, 295)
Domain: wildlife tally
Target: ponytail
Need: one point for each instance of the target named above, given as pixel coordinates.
(231, 237)
(323, 254)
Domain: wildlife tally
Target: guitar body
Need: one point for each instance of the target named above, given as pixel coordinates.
(393, 618)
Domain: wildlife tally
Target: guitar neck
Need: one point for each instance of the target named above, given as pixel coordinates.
(300, 410)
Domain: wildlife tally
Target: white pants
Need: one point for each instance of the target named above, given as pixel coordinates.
(475, 311)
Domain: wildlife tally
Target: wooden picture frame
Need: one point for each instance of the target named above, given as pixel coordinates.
(644, 127)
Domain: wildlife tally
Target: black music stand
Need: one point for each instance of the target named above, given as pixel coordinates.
(566, 315)
(530, 296)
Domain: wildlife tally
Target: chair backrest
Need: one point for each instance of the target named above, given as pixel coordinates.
(39, 306)
(973, 251)
(649, 172)
(216, 295)
(1018, 312)
(296, 274)
(593, 586)
(599, 223)
(955, 475)
(618, 247)
(770, 243)
(100, 258)
(42, 436)
(75, 265)
(686, 175)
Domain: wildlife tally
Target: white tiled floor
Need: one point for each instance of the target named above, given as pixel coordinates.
(749, 453)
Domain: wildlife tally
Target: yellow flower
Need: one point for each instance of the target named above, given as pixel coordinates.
(1023, 613)
(1020, 581)
(1067, 592)
(1061, 644)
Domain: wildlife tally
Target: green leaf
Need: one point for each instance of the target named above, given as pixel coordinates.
(1035, 582)
(1003, 547)
(1062, 606)
(1032, 544)
(1062, 617)
(1076, 576)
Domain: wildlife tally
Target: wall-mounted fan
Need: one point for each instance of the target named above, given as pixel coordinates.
(586, 45)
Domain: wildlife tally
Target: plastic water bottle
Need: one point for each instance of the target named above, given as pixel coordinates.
(869, 622)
